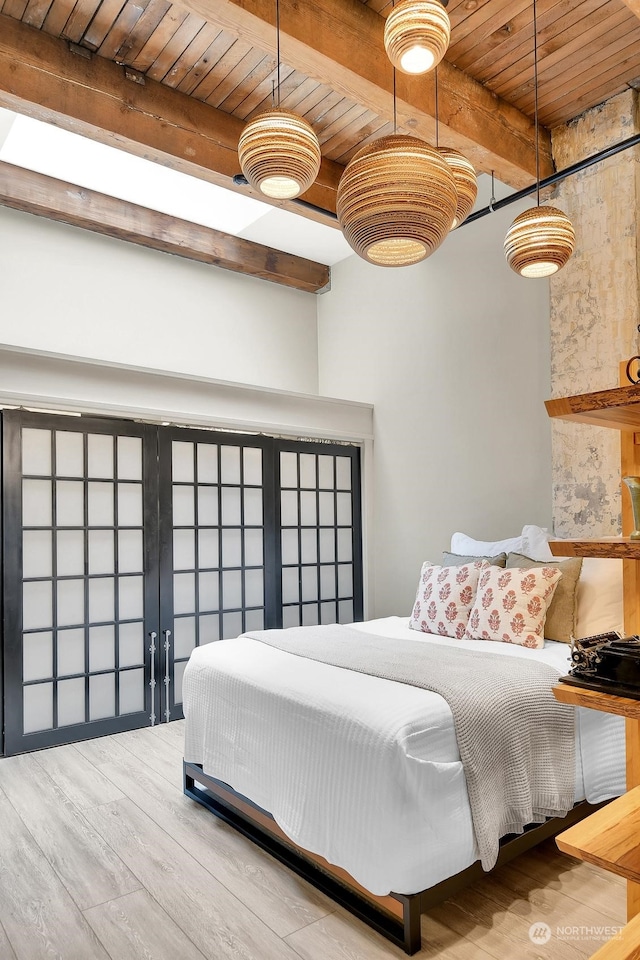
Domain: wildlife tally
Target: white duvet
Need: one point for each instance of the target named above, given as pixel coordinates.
(360, 770)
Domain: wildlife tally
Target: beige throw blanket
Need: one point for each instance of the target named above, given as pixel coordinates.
(516, 742)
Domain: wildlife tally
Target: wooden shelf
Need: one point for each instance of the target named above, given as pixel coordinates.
(618, 408)
(625, 946)
(595, 700)
(609, 838)
(621, 547)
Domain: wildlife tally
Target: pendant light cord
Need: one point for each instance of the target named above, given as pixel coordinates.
(395, 111)
(278, 49)
(535, 94)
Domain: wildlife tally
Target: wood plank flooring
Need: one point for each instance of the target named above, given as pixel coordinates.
(102, 857)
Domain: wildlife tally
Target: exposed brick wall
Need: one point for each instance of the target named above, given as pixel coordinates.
(595, 310)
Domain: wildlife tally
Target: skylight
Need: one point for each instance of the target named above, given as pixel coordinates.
(67, 156)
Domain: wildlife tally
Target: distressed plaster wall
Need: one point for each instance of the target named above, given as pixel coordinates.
(594, 310)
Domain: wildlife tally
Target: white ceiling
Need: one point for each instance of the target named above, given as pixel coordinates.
(67, 156)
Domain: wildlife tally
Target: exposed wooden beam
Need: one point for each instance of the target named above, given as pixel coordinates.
(340, 42)
(46, 197)
(42, 78)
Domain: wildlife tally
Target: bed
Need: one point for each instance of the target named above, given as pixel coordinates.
(356, 781)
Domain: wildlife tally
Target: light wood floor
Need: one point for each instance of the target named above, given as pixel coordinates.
(101, 856)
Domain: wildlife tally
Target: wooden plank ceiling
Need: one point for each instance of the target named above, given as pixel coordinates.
(589, 50)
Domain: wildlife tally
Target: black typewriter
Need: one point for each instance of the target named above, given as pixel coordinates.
(607, 662)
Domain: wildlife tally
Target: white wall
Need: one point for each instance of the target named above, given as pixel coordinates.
(73, 292)
(454, 355)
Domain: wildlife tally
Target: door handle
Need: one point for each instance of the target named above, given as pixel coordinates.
(152, 682)
(167, 674)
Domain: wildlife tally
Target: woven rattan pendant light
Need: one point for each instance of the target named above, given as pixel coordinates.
(541, 240)
(279, 151)
(417, 34)
(396, 201)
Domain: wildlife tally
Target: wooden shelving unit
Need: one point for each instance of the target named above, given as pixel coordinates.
(611, 836)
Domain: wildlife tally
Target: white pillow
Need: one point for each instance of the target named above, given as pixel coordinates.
(536, 542)
(468, 547)
(599, 598)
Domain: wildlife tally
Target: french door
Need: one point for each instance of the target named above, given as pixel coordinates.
(126, 545)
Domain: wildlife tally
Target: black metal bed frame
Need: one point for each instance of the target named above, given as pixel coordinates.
(399, 923)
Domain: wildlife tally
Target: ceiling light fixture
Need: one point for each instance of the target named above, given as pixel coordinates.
(396, 200)
(541, 240)
(279, 151)
(417, 34)
(463, 172)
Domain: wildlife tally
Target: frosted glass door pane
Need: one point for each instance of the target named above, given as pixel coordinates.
(307, 470)
(231, 548)
(345, 545)
(209, 628)
(291, 617)
(343, 473)
(253, 552)
(36, 452)
(307, 509)
(183, 506)
(71, 702)
(101, 556)
(288, 469)
(254, 620)
(131, 644)
(328, 612)
(184, 550)
(100, 497)
(178, 676)
(70, 652)
(101, 599)
(327, 512)
(102, 652)
(70, 553)
(184, 636)
(129, 458)
(182, 462)
(327, 546)
(290, 546)
(36, 503)
(345, 611)
(229, 464)
(129, 504)
(207, 506)
(345, 580)
(184, 593)
(69, 503)
(37, 656)
(310, 615)
(36, 553)
(131, 598)
(131, 691)
(38, 707)
(208, 548)
(252, 466)
(102, 696)
(309, 539)
(231, 506)
(290, 588)
(344, 509)
(130, 555)
(309, 583)
(327, 583)
(207, 463)
(37, 605)
(71, 602)
(69, 454)
(325, 472)
(100, 456)
(253, 588)
(253, 507)
(208, 591)
(231, 625)
(232, 589)
(289, 508)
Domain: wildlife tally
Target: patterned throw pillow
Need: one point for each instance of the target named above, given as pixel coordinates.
(445, 597)
(511, 605)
